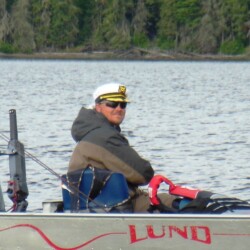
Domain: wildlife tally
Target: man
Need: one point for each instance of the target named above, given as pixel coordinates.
(101, 145)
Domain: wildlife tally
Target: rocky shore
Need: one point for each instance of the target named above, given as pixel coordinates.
(132, 54)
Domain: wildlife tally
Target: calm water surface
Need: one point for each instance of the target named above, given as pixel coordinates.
(190, 119)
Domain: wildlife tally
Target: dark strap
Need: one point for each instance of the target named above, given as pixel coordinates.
(74, 180)
(100, 177)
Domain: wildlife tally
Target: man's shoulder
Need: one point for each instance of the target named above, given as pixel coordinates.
(104, 134)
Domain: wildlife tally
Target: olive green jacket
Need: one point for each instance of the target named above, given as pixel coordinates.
(103, 146)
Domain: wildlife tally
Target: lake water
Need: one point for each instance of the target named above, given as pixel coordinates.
(190, 119)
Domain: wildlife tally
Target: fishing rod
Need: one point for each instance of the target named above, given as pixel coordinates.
(65, 184)
(35, 159)
(17, 148)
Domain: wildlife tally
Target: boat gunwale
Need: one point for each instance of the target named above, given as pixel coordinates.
(128, 216)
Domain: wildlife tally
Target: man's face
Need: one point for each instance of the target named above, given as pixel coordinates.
(115, 115)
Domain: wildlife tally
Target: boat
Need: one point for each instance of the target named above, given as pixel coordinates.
(55, 228)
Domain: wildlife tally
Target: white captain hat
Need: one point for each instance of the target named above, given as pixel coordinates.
(115, 92)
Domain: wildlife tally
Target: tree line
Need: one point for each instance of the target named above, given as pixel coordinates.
(198, 26)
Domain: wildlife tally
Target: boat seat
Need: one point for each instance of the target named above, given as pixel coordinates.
(94, 190)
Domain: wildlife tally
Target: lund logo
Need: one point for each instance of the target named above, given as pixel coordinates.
(196, 233)
(199, 234)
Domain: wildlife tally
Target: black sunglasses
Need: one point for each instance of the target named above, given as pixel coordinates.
(114, 105)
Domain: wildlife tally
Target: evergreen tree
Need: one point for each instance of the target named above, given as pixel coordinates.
(41, 20)
(21, 29)
(153, 16)
(204, 26)
(64, 24)
(4, 21)
(178, 24)
(188, 16)
(112, 29)
(96, 39)
(211, 28)
(9, 4)
(236, 13)
(85, 19)
(138, 24)
(168, 27)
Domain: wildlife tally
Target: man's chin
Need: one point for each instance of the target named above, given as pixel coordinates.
(117, 121)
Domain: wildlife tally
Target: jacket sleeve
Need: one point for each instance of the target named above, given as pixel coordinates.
(136, 169)
(116, 156)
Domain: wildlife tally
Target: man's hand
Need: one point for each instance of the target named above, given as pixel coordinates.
(173, 189)
(153, 188)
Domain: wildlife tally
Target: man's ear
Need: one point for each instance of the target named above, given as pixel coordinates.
(98, 107)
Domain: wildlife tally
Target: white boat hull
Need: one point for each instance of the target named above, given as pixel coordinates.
(123, 231)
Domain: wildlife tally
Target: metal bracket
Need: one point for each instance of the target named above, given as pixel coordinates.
(8, 152)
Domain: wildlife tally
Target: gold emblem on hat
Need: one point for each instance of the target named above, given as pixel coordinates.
(122, 89)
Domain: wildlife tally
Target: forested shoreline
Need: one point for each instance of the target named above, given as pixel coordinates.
(147, 29)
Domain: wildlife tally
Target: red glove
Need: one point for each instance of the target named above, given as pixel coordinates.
(153, 188)
(173, 189)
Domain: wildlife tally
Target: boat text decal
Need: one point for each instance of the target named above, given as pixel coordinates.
(56, 247)
(201, 234)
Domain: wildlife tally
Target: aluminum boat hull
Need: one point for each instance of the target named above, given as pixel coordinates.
(68, 231)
